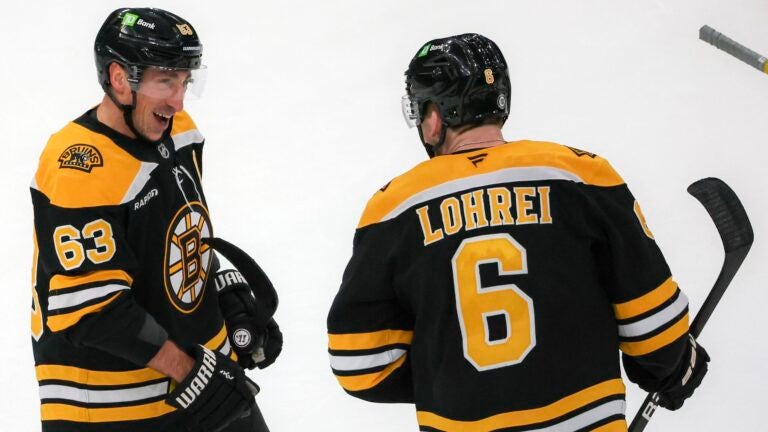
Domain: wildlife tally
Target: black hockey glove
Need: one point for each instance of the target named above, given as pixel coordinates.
(254, 346)
(272, 345)
(215, 393)
(693, 369)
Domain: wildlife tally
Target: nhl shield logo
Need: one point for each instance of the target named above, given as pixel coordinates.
(163, 151)
(187, 258)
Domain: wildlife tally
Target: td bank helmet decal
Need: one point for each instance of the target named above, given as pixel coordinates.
(187, 258)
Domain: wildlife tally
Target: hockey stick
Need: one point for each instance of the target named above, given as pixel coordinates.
(735, 231)
(258, 281)
(723, 42)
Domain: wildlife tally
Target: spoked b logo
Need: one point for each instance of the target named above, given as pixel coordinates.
(187, 258)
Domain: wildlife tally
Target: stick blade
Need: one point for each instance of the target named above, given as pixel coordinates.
(726, 212)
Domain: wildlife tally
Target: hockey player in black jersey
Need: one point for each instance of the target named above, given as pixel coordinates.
(494, 284)
(130, 332)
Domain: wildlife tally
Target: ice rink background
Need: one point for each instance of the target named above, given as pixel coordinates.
(302, 119)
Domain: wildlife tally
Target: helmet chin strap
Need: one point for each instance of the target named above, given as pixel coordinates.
(127, 110)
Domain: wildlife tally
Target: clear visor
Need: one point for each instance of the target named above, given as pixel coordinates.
(165, 83)
(410, 111)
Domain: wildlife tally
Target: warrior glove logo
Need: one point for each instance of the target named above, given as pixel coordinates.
(241, 338)
(187, 258)
(82, 157)
(201, 379)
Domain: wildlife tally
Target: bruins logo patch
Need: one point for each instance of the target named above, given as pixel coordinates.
(187, 258)
(82, 157)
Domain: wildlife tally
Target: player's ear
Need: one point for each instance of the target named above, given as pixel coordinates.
(431, 125)
(118, 80)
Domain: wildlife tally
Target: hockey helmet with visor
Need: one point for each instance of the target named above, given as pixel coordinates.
(464, 76)
(143, 38)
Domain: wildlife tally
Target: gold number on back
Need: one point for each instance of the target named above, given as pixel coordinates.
(477, 305)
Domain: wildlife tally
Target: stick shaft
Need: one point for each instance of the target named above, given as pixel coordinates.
(723, 42)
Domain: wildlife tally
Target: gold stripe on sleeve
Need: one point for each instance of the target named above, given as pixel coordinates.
(647, 302)
(614, 426)
(659, 341)
(62, 281)
(361, 341)
(366, 381)
(63, 321)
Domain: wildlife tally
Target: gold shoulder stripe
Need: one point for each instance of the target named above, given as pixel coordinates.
(362, 341)
(93, 377)
(60, 281)
(511, 162)
(58, 411)
(366, 381)
(511, 419)
(654, 343)
(647, 302)
(73, 188)
(184, 131)
(60, 322)
(182, 122)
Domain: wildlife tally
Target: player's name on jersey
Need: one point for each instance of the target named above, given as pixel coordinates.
(480, 208)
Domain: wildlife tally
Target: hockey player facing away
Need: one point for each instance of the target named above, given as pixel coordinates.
(494, 284)
(129, 329)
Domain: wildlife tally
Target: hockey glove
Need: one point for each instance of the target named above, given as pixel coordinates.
(693, 369)
(215, 393)
(272, 346)
(254, 346)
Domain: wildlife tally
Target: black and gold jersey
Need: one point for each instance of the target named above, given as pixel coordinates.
(118, 229)
(494, 290)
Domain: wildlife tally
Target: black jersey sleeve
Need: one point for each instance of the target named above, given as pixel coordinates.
(369, 332)
(650, 309)
(84, 280)
(84, 266)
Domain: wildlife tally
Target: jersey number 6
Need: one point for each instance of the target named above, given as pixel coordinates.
(478, 307)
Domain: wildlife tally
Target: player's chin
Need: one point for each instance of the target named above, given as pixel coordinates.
(156, 128)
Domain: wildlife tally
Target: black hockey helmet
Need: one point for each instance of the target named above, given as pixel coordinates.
(465, 76)
(141, 38)
(138, 38)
